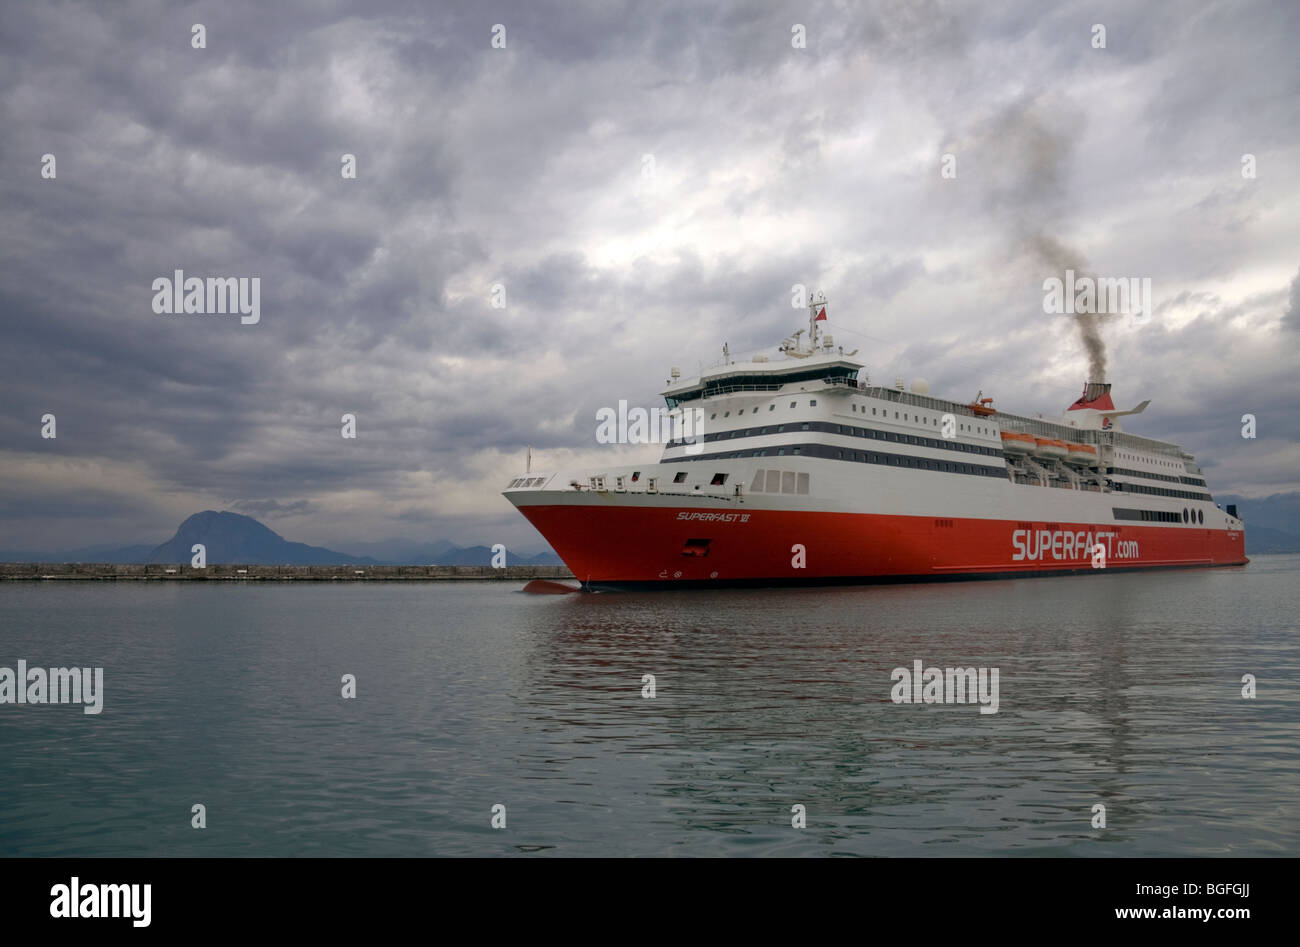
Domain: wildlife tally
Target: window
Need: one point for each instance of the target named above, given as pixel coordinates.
(804, 426)
(802, 484)
(904, 415)
(1184, 514)
(719, 479)
(813, 403)
(873, 412)
(793, 403)
(781, 452)
(795, 451)
(727, 414)
(771, 407)
(757, 485)
(780, 428)
(681, 477)
(773, 481)
(1200, 516)
(895, 415)
(787, 481)
(713, 415)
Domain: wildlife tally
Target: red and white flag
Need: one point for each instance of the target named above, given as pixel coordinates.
(821, 315)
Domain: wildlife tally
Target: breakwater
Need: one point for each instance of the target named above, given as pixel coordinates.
(90, 571)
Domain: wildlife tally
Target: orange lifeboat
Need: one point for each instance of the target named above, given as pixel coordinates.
(1014, 443)
(1080, 453)
(982, 407)
(1050, 447)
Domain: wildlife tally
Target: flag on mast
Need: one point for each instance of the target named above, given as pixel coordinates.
(821, 315)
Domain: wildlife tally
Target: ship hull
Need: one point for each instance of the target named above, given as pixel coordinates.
(623, 545)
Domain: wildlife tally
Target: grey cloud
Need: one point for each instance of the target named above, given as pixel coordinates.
(778, 166)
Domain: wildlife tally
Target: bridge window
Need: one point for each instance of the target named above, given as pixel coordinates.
(681, 477)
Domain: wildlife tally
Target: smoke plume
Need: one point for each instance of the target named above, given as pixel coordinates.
(1027, 147)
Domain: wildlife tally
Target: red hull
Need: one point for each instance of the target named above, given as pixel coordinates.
(617, 545)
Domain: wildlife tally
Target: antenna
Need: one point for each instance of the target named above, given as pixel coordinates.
(816, 313)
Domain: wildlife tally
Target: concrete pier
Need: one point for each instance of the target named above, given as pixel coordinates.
(89, 571)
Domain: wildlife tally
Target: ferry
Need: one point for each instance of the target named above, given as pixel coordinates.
(799, 469)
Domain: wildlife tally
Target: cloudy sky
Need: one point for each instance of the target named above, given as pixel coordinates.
(647, 181)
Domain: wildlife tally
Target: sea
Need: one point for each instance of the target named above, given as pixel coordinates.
(1137, 714)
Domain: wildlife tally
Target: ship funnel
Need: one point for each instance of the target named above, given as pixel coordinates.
(1096, 394)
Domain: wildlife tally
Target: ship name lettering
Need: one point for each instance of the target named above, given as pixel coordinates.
(1068, 545)
(713, 517)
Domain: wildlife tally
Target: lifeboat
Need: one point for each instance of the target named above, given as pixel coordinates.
(1050, 447)
(1080, 453)
(1014, 443)
(982, 407)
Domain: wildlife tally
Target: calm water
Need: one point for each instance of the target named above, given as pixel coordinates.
(1118, 689)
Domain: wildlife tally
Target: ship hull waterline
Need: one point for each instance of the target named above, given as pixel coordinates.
(629, 547)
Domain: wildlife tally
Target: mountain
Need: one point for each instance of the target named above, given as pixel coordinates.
(1264, 539)
(482, 556)
(402, 551)
(233, 537)
(114, 553)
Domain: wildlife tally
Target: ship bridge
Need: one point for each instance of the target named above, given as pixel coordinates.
(761, 375)
(814, 358)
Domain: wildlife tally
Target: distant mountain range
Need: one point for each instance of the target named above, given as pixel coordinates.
(235, 538)
(1281, 513)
